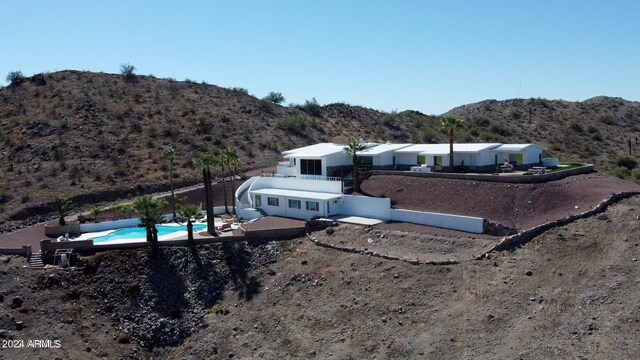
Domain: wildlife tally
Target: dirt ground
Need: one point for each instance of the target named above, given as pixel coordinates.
(572, 292)
(515, 205)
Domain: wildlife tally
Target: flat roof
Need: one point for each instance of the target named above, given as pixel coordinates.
(443, 149)
(517, 147)
(382, 148)
(317, 150)
(298, 194)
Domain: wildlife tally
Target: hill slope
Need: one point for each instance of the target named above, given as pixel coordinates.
(98, 136)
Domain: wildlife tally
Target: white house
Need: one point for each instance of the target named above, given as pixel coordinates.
(474, 156)
(324, 159)
(381, 156)
(520, 154)
(310, 182)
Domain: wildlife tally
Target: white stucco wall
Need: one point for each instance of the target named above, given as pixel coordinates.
(334, 187)
(447, 221)
(109, 225)
(407, 159)
(337, 159)
(284, 210)
(378, 208)
(531, 155)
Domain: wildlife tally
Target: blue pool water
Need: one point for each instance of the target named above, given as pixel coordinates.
(140, 233)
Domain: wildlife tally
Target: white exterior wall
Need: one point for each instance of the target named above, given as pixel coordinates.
(283, 207)
(447, 221)
(487, 157)
(337, 159)
(334, 187)
(384, 159)
(378, 208)
(408, 159)
(531, 155)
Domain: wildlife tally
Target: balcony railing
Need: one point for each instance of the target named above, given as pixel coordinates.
(303, 177)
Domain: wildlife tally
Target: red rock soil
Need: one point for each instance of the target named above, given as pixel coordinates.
(516, 205)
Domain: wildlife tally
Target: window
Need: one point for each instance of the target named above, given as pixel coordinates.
(258, 200)
(273, 201)
(310, 167)
(313, 206)
(294, 204)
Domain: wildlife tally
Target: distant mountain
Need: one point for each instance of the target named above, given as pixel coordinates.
(95, 135)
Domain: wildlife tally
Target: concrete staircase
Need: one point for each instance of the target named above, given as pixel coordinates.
(244, 199)
(36, 261)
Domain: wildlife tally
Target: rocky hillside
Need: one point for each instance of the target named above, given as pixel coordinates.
(596, 130)
(96, 136)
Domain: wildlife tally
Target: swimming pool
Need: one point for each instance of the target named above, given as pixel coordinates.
(137, 234)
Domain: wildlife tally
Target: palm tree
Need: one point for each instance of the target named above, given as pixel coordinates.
(450, 125)
(150, 210)
(170, 153)
(188, 212)
(234, 164)
(62, 207)
(353, 147)
(228, 154)
(118, 210)
(95, 212)
(205, 162)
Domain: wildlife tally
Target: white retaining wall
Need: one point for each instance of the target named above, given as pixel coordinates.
(447, 221)
(248, 214)
(378, 208)
(109, 225)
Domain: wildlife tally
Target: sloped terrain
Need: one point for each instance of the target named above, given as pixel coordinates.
(570, 293)
(514, 205)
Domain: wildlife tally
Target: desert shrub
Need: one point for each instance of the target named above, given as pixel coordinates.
(499, 129)
(596, 136)
(621, 172)
(204, 126)
(15, 78)
(311, 107)
(274, 97)
(265, 105)
(389, 119)
(429, 135)
(516, 114)
(39, 79)
(605, 118)
(240, 90)
(627, 161)
(481, 121)
(293, 124)
(576, 126)
(490, 137)
(592, 129)
(127, 70)
(629, 113)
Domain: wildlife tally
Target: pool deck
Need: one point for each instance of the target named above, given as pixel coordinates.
(28, 236)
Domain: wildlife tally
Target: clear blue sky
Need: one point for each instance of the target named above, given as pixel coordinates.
(428, 56)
